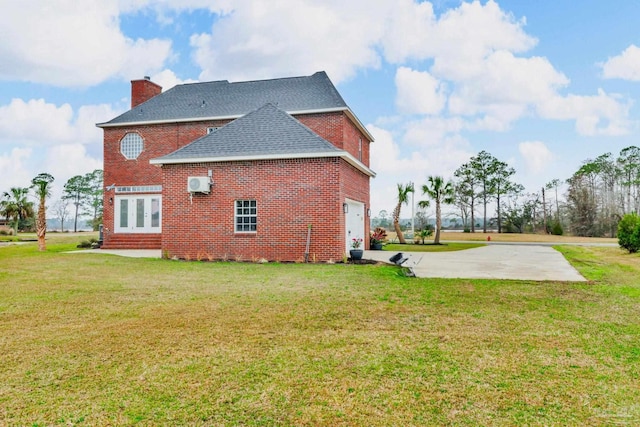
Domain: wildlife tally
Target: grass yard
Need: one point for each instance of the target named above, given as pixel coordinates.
(522, 237)
(102, 340)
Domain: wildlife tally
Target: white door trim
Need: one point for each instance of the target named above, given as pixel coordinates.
(354, 223)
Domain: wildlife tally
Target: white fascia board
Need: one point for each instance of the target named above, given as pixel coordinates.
(205, 119)
(162, 122)
(348, 111)
(343, 154)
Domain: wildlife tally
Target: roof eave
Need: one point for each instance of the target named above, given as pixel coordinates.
(343, 154)
(347, 110)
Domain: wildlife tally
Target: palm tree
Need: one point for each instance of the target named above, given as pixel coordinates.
(42, 187)
(16, 206)
(440, 192)
(403, 199)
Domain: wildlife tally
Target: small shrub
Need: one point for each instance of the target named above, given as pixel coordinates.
(556, 229)
(378, 236)
(85, 244)
(629, 233)
(466, 230)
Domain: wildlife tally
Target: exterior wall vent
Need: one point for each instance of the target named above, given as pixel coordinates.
(199, 184)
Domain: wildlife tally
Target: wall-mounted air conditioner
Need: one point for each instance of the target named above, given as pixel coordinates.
(199, 184)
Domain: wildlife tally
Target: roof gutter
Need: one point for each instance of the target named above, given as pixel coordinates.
(342, 154)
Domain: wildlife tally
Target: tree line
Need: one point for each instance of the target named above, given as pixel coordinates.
(82, 195)
(484, 195)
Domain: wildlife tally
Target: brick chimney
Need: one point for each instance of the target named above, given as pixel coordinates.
(143, 90)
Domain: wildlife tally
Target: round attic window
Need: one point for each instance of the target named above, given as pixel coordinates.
(131, 145)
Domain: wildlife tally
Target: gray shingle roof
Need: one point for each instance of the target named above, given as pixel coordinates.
(224, 99)
(267, 131)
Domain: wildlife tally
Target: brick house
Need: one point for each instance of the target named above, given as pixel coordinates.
(237, 170)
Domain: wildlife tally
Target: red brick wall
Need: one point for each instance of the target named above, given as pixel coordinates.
(290, 195)
(338, 129)
(330, 126)
(163, 139)
(354, 185)
(159, 140)
(351, 137)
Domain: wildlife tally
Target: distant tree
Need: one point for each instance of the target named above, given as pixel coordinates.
(440, 192)
(94, 197)
(42, 187)
(403, 199)
(501, 184)
(61, 210)
(382, 219)
(422, 219)
(77, 190)
(629, 166)
(16, 205)
(520, 212)
(582, 205)
(466, 193)
(553, 185)
(484, 167)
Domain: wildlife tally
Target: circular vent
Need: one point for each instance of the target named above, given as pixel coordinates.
(194, 184)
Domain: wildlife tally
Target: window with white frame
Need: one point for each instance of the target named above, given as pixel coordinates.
(212, 129)
(246, 216)
(131, 145)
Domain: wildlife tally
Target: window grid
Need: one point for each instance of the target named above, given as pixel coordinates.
(246, 216)
(139, 189)
(131, 145)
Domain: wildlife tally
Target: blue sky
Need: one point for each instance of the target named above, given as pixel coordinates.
(543, 85)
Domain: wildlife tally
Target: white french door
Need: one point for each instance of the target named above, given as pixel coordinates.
(138, 214)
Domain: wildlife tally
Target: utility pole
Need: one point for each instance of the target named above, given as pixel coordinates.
(544, 211)
(413, 217)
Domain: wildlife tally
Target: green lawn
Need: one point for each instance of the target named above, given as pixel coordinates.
(101, 340)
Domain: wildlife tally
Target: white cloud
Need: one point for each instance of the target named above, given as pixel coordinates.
(537, 157)
(35, 121)
(59, 158)
(624, 66)
(13, 169)
(431, 131)
(281, 38)
(602, 114)
(68, 43)
(419, 92)
(37, 136)
(456, 39)
(397, 165)
(474, 50)
(168, 79)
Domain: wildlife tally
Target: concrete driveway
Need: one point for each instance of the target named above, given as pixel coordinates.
(517, 262)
